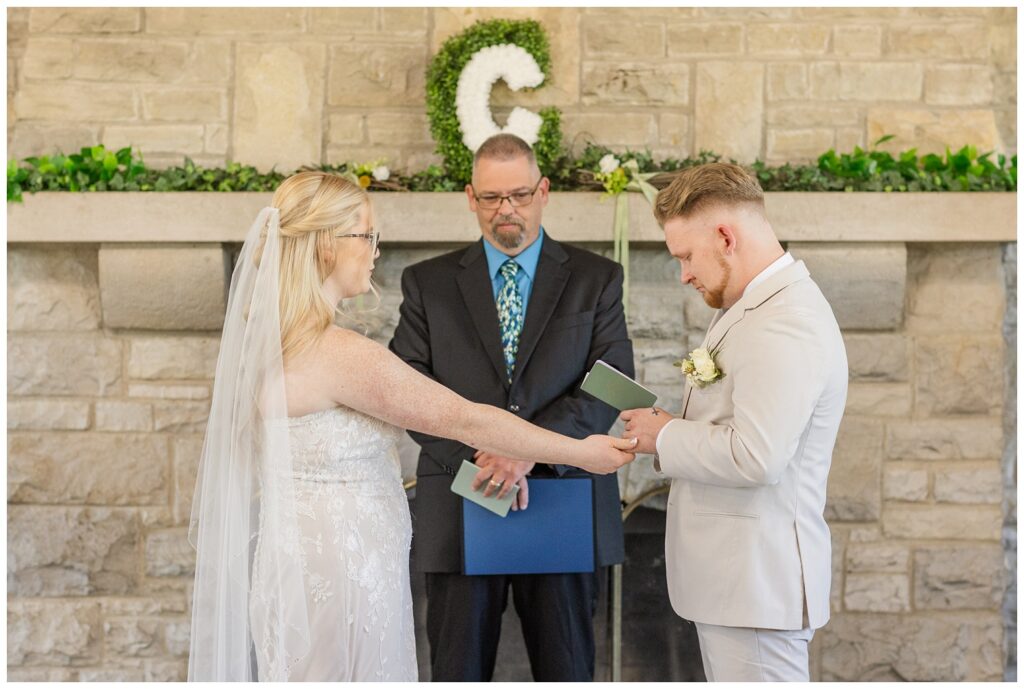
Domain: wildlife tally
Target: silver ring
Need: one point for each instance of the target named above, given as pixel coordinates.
(494, 483)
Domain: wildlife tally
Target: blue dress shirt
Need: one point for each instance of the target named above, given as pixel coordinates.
(527, 261)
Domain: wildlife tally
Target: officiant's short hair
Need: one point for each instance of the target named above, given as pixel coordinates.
(504, 147)
(701, 186)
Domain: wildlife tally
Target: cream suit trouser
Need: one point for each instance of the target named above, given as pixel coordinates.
(741, 654)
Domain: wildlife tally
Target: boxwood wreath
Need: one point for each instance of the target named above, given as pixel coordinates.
(443, 83)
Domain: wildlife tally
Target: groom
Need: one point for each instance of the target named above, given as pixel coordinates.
(748, 553)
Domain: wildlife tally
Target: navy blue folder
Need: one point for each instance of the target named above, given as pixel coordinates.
(555, 533)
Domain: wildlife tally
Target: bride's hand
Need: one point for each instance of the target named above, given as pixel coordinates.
(603, 454)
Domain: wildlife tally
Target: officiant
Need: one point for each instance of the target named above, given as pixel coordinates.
(514, 320)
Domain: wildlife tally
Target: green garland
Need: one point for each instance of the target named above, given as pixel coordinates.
(443, 79)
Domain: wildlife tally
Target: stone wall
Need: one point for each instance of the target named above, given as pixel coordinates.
(781, 84)
(108, 398)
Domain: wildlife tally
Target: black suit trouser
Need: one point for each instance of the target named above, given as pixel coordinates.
(556, 612)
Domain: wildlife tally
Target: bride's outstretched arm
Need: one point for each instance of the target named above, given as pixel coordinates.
(369, 378)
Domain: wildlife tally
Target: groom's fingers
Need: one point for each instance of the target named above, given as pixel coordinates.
(624, 444)
(627, 415)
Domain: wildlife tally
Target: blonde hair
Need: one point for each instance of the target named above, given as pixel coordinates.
(701, 186)
(313, 207)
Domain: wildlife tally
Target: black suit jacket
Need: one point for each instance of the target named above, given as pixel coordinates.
(449, 330)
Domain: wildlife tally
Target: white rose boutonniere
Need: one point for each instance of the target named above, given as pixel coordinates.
(700, 368)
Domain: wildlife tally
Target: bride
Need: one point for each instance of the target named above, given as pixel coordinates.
(300, 521)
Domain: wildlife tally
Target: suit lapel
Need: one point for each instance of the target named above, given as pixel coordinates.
(549, 282)
(478, 292)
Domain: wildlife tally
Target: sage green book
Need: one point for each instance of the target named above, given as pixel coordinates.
(616, 388)
(463, 485)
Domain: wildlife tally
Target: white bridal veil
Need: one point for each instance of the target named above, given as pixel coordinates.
(249, 617)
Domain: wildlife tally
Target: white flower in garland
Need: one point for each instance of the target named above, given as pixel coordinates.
(381, 173)
(472, 97)
(608, 164)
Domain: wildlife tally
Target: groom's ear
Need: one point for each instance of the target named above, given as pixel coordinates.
(726, 235)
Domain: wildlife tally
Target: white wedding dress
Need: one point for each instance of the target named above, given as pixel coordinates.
(354, 534)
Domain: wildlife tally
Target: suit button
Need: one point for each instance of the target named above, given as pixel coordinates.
(514, 408)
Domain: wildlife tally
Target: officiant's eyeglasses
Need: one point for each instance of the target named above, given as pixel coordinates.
(374, 238)
(516, 199)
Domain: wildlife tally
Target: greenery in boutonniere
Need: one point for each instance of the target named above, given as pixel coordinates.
(700, 367)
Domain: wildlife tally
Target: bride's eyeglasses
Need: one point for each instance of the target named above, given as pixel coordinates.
(374, 238)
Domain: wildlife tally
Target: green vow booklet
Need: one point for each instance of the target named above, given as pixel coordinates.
(616, 389)
(463, 485)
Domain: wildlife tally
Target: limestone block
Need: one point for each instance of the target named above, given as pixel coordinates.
(880, 558)
(973, 486)
(181, 104)
(43, 415)
(181, 417)
(1003, 43)
(824, 80)
(688, 39)
(958, 85)
(165, 670)
(190, 357)
(343, 20)
(180, 139)
(874, 81)
(640, 477)
(85, 20)
(224, 20)
(627, 129)
(654, 359)
(931, 131)
(857, 40)
(729, 108)
(40, 674)
(848, 138)
(697, 312)
(209, 62)
(945, 41)
(674, 132)
(120, 415)
(123, 60)
(656, 313)
(403, 19)
(51, 100)
(854, 481)
(838, 555)
(562, 26)
(87, 468)
(905, 483)
(186, 450)
(951, 438)
(71, 551)
(361, 75)
(345, 128)
(878, 357)
(804, 115)
(398, 129)
(960, 576)
(955, 289)
(794, 145)
(603, 37)
(270, 79)
(635, 83)
(29, 138)
(169, 554)
(788, 39)
(177, 287)
(879, 399)
(53, 632)
(877, 592)
(48, 58)
(867, 647)
(169, 392)
(958, 375)
(943, 521)
(745, 14)
(63, 364)
(160, 605)
(145, 637)
(786, 81)
(864, 283)
(52, 289)
(215, 139)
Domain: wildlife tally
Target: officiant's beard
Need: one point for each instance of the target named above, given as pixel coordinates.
(508, 239)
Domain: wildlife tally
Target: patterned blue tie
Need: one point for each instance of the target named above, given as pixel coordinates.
(510, 314)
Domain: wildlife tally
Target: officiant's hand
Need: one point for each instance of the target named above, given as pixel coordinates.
(508, 472)
(645, 424)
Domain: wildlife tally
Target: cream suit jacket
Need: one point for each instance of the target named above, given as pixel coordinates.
(746, 540)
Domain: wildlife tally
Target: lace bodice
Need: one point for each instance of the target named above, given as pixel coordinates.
(343, 445)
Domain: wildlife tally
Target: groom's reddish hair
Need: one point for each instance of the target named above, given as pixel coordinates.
(702, 186)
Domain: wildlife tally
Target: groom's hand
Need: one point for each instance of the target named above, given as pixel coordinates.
(505, 471)
(644, 425)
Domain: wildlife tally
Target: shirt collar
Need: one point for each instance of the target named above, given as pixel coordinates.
(527, 260)
(775, 266)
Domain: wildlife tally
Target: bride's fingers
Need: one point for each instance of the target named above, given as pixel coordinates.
(624, 444)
